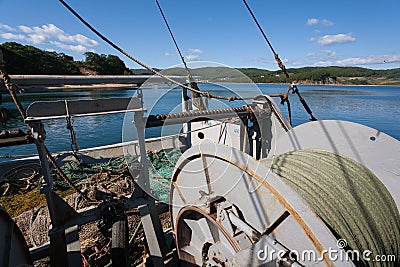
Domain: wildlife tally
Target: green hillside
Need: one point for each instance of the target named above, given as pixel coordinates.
(328, 75)
(306, 75)
(26, 59)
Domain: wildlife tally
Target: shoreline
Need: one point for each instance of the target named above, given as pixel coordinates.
(114, 87)
(314, 84)
(54, 83)
(333, 84)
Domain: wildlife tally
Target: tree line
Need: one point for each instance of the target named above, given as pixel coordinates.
(326, 75)
(27, 59)
(309, 75)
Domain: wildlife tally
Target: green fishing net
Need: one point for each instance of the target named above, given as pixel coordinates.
(160, 171)
(163, 164)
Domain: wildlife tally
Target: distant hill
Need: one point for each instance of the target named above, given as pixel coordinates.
(327, 75)
(26, 59)
(306, 75)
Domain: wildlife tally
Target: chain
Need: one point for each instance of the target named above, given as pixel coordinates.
(70, 127)
(12, 88)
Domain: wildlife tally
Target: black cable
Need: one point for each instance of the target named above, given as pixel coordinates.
(192, 83)
(194, 90)
(281, 65)
(172, 36)
(259, 26)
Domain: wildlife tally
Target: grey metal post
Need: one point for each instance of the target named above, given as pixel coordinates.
(154, 233)
(148, 213)
(57, 240)
(62, 253)
(143, 180)
(186, 126)
(73, 246)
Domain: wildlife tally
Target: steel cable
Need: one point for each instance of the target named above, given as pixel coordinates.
(282, 66)
(203, 93)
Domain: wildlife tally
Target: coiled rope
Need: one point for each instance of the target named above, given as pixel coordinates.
(348, 197)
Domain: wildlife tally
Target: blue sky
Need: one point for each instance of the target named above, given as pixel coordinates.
(304, 33)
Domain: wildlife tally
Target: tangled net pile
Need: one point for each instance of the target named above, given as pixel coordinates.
(111, 177)
(104, 174)
(78, 171)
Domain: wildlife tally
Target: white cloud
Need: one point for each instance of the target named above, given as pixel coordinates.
(314, 21)
(75, 48)
(195, 51)
(25, 29)
(6, 27)
(296, 63)
(369, 60)
(272, 61)
(36, 38)
(326, 22)
(324, 63)
(340, 38)
(168, 54)
(193, 57)
(194, 54)
(10, 36)
(77, 38)
(322, 55)
(49, 34)
(356, 61)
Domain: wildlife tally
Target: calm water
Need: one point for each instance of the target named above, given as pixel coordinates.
(374, 106)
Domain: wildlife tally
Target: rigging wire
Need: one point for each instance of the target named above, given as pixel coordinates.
(191, 81)
(293, 86)
(190, 77)
(70, 128)
(203, 93)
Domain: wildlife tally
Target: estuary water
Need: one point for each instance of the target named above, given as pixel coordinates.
(375, 106)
